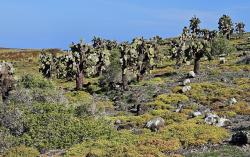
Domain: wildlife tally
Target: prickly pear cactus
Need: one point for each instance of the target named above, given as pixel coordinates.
(226, 26)
(45, 64)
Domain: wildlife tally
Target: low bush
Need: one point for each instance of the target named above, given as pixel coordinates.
(22, 151)
(30, 81)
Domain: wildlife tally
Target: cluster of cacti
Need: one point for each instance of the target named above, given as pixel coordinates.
(192, 44)
(138, 57)
(6, 79)
(83, 59)
(194, 26)
(240, 28)
(226, 26)
(45, 64)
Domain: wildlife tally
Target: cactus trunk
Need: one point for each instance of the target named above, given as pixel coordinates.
(197, 66)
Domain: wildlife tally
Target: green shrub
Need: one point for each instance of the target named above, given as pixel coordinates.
(172, 98)
(54, 127)
(22, 151)
(31, 81)
(6, 140)
(79, 97)
(221, 45)
(192, 134)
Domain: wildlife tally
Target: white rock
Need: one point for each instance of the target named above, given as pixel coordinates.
(155, 124)
(223, 122)
(212, 119)
(191, 74)
(196, 114)
(188, 63)
(118, 121)
(185, 89)
(186, 81)
(232, 101)
(179, 108)
(222, 60)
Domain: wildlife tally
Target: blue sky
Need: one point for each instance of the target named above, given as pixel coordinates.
(55, 23)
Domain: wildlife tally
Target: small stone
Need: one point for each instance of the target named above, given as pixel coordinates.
(232, 101)
(222, 60)
(212, 119)
(155, 124)
(188, 63)
(186, 89)
(196, 114)
(223, 122)
(186, 81)
(179, 107)
(191, 74)
(125, 127)
(118, 121)
(224, 80)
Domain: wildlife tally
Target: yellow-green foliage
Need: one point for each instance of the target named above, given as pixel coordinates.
(159, 112)
(235, 68)
(242, 108)
(105, 105)
(125, 143)
(164, 101)
(192, 134)
(243, 83)
(79, 97)
(153, 81)
(176, 89)
(135, 120)
(209, 92)
(172, 98)
(162, 145)
(173, 117)
(22, 151)
(164, 70)
(228, 114)
(157, 104)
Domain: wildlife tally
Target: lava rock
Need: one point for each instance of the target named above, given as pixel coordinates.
(125, 127)
(240, 138)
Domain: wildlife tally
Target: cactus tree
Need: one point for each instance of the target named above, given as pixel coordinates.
(194, 25)
(80, 53)
(226, 26)
(240, 28)
(45, 64)
(124, 48)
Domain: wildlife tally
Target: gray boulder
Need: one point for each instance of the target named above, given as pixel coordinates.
(155, 124)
